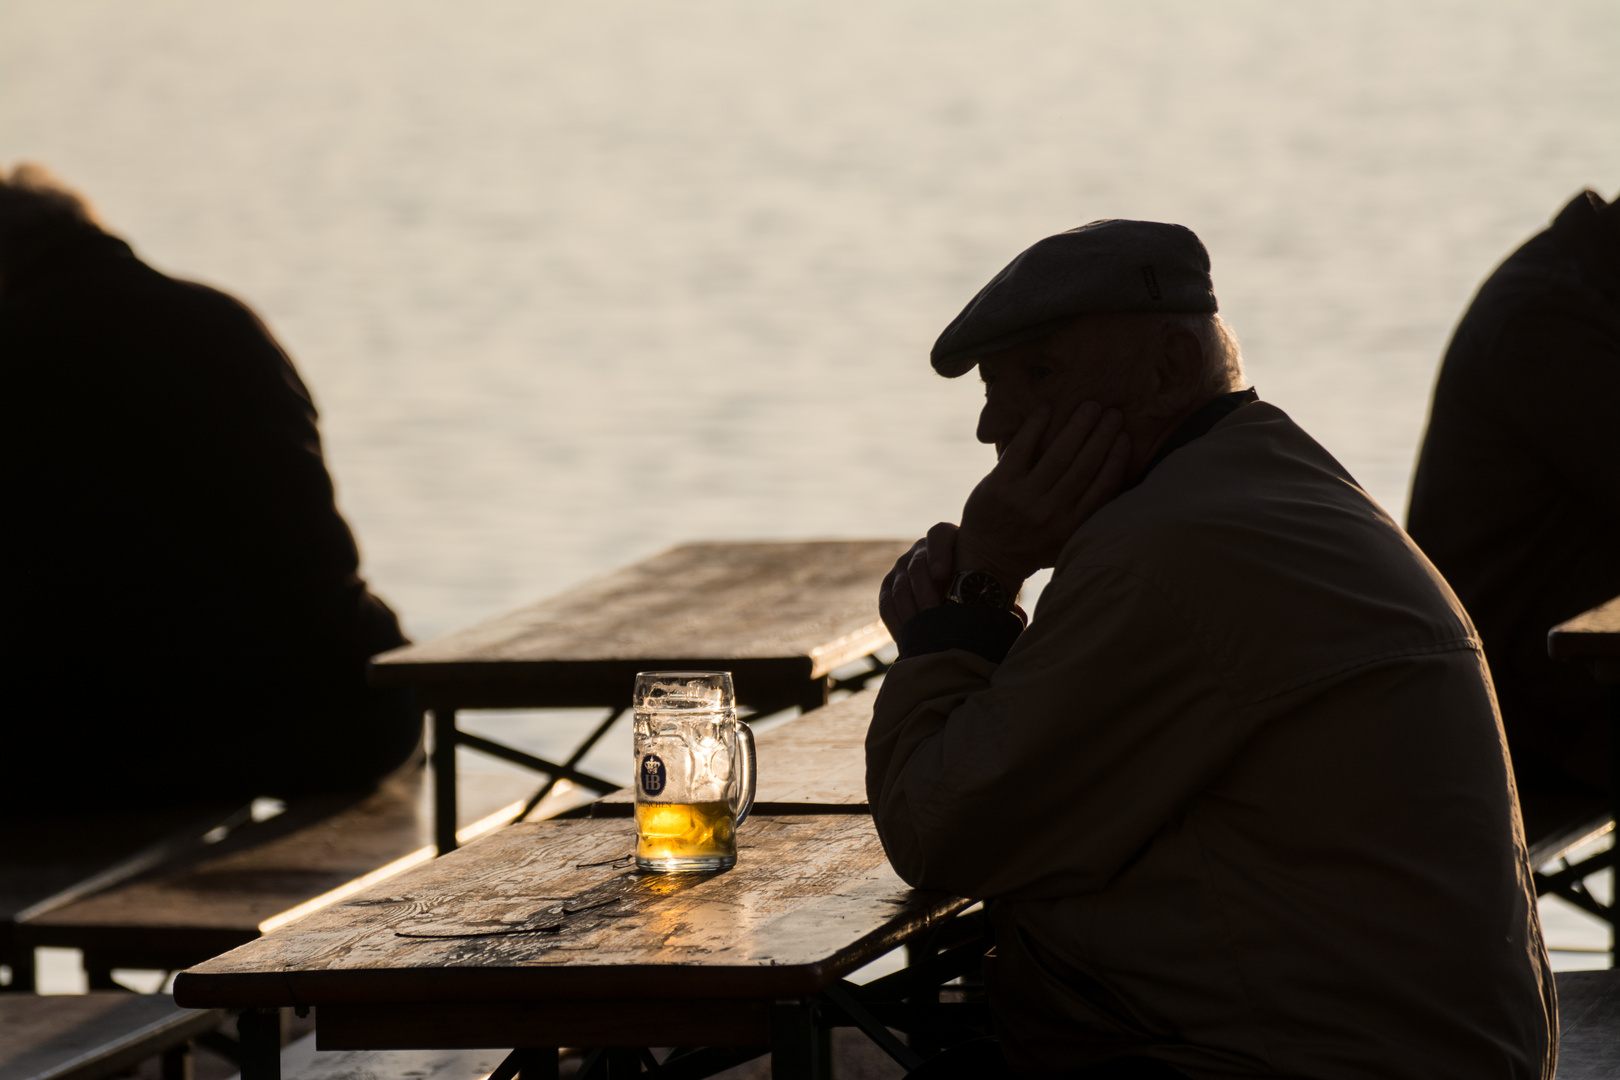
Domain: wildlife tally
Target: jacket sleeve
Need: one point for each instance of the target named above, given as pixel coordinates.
(1043, 775)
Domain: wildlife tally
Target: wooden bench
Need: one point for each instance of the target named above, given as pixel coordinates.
(97, 1035)
(218, 896)
(49, 863)
(781, 617)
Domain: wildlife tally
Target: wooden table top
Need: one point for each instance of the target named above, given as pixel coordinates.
(815, 764)
(1591, 635)
(548, 910)
(793, 610)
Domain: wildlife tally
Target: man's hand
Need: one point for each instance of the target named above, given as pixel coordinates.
(919, 579)
(1020, 516)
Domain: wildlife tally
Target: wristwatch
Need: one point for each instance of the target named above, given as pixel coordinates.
(978, 588)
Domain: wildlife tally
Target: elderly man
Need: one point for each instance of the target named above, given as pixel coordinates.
(1237, 797)
(184, 615)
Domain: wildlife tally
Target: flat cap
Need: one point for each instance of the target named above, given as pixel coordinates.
(1105, 266)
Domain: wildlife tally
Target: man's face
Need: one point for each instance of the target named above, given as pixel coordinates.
(1084, 361)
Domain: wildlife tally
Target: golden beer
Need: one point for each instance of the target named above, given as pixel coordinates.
(677, 832)
(694, 771)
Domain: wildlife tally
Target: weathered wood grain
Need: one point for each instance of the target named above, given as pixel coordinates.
(195, 908)
(1591, 635)
(90, 1036)
(815, 764)
(549, 910)
(769, 612)
(1589, 1019)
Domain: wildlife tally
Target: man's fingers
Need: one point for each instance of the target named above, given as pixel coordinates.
(1087, 460)
(1071, 440)
(896, 604)
(1105, 484)
(942, 552)
(925, 592)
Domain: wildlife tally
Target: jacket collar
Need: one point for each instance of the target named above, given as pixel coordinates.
(1199, 424)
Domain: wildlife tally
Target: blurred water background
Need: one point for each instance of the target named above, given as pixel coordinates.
(574, 281)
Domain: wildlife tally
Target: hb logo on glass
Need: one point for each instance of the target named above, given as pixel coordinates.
(652, 774)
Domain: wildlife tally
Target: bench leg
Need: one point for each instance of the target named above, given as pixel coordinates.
(98, 973)
(1614, 812)
(801, 1048)
(23, 972)
(539, 1064)
(815, 692)
(444, 779)
(527, 1064)
(177, 1062)
(623, 1063)
(260, 1031)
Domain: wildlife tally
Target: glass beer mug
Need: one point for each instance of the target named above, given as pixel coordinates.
(694, 771)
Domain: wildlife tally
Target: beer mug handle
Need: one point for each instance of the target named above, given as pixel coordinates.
(749, 772)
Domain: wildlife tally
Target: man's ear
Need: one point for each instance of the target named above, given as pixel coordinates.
(1178, 370)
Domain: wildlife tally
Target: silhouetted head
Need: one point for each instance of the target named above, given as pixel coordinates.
(1122, 313)
(37, 213)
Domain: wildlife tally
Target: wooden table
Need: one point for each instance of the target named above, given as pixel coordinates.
(539, 936)
(1593, 638)
(781, 617)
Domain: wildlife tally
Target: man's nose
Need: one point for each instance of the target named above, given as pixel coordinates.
(997, 425)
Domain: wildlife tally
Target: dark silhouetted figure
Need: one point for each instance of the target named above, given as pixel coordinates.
(184, 618)
(1517, 493)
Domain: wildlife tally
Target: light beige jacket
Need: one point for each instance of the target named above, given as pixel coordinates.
(1239, 796)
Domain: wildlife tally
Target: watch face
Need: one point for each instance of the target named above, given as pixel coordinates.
(979, 588)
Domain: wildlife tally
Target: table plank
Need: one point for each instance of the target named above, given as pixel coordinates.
(1591, 635)
(772, 613)
(558, 916)
(815, 764)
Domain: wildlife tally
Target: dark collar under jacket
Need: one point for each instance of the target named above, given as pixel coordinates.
(1199, 423)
